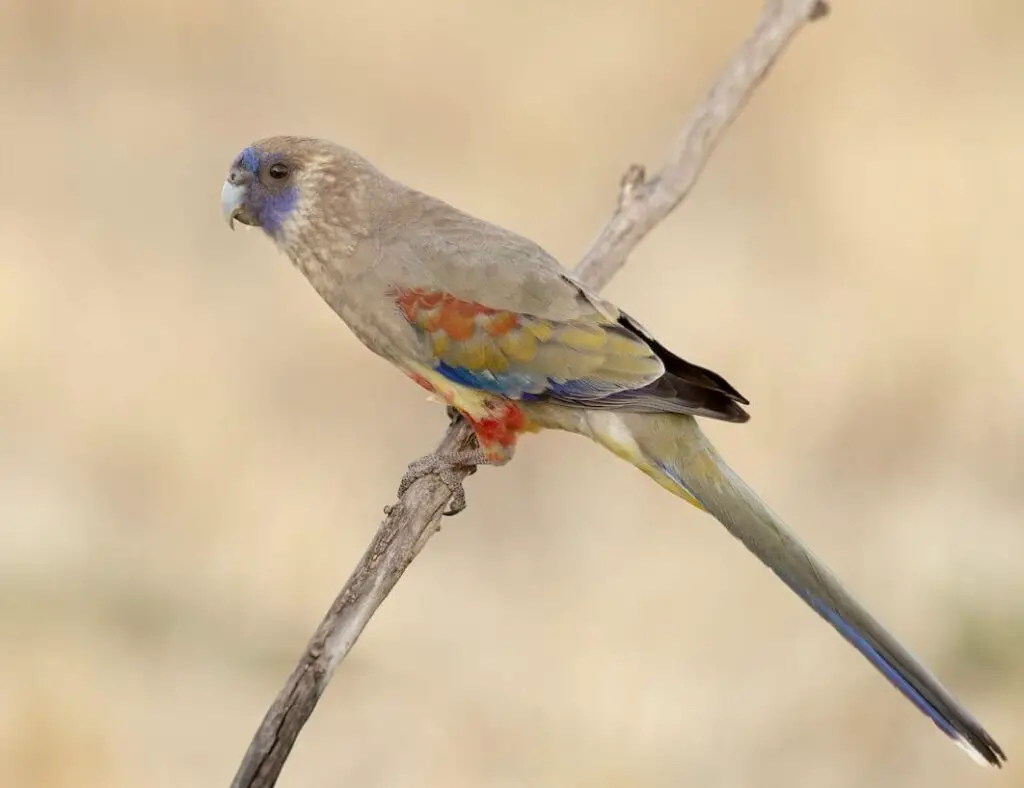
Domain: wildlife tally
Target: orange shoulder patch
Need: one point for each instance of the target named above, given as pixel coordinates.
(458, 320)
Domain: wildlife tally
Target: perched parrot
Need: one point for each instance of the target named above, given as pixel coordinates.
(491, 323)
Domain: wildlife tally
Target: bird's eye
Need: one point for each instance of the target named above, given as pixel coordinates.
(278, 171)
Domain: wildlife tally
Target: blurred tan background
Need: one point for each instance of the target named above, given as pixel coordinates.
(194, 451)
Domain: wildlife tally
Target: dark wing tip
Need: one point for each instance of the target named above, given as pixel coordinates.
(701, 401)
(738, 415)
(680, 367)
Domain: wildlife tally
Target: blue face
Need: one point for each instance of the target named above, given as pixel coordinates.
(260, 189)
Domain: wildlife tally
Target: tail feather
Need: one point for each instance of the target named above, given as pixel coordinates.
(674, 451)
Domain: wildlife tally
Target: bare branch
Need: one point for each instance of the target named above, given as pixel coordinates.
(413, 520)
(642, 204)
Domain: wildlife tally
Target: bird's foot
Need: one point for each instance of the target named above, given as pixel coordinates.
(454, 414)
(445, 466)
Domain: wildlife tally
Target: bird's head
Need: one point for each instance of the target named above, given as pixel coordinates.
(263, 184)
(281, 183)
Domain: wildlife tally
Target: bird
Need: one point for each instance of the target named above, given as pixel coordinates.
(490, 323)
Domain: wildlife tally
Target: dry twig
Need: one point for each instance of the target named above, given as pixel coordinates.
(416, 516)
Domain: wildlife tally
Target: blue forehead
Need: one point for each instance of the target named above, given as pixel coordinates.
(249, 160)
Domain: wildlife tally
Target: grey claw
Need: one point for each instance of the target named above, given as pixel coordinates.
(457, 502)
(444, 467)
(416, 471)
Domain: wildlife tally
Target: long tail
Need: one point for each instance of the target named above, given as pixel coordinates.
(673, 450)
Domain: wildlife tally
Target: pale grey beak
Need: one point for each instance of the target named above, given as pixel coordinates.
(231, 196)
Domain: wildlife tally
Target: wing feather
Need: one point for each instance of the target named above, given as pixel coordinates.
(497, 313)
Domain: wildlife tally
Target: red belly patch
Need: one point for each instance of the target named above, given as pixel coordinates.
(500, 429)
(497, 431)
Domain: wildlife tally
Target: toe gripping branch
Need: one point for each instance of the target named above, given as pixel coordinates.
(445, 467)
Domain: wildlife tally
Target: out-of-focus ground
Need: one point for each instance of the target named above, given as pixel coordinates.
(194, 451)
